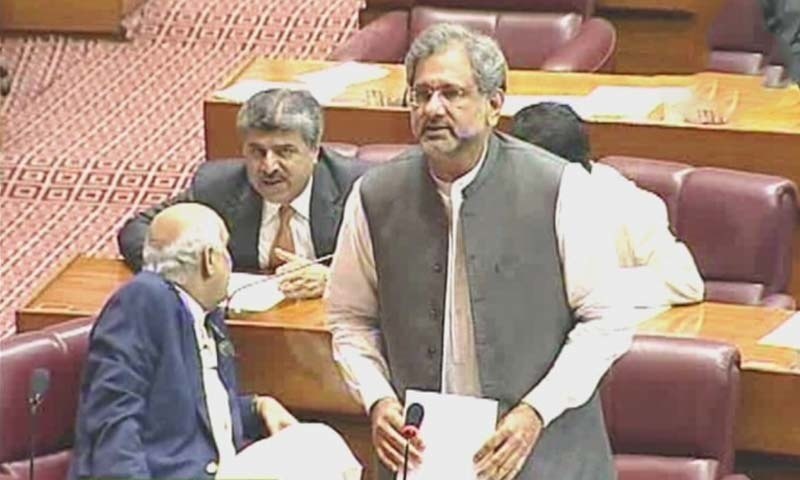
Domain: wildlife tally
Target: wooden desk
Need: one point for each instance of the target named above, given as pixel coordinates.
(287, 352)
(763, 136)
(653, 36)
(71, 16)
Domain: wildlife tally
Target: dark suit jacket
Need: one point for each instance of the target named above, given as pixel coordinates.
(223, 186)
(142, 411)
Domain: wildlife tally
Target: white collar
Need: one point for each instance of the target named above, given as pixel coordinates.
(463, 181)
(301, 203)
(194, 307)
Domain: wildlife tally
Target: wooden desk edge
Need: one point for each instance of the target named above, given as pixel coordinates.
(241, 322)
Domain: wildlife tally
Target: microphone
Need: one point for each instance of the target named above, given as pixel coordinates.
(414, 415)
(267, 278)
(39, 384)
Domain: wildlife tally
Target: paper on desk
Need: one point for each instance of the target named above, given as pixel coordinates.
(454, 428)
(633, 103)
(253, 293)
(242, 90)
(786, 335)
(299, 452)
(344, 74)
(515, 103)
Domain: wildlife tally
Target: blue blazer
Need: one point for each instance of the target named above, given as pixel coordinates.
(142, 411)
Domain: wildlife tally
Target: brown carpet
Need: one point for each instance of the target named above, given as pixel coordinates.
(96, 129)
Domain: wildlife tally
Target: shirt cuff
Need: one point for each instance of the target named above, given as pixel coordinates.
(547, 405)
(374, 391)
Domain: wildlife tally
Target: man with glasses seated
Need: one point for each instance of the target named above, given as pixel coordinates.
(283, 202)
(476, 264)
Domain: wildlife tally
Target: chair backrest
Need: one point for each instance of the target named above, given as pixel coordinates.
(657, 176)
(61, 350)
(381, 152)
(674, 398)
(584, 7)
(550, 29)
(346, 149)
(739, 226)
(738, 38)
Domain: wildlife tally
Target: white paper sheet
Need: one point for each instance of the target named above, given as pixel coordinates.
(253, 293)
(344, 74)
(786, 335)
(454, 428)
(242, 90)
(300, 452)
(515, 103)
(630, 103)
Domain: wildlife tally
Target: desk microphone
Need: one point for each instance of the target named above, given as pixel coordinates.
(414, 415)
(273, 276)
(39, 383)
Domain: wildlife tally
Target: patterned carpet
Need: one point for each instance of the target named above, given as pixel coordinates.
(95, 129)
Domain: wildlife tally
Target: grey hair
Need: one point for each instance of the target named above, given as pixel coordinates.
(485, 56)
(283, 110)
(180, 259)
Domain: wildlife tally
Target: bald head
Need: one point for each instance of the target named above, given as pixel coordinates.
(186, 244)
(174, 222)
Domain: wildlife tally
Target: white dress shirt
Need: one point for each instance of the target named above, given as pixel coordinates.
(654, 262)
(217, 401)
(300, 225)
(606, 319)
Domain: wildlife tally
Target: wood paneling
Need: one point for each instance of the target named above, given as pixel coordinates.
(78, 16)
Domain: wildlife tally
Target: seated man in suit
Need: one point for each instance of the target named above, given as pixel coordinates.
(159, 396)
(660, 268)
(282, 203)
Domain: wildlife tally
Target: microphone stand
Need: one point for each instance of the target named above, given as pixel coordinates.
(34, 403)
(405, 461)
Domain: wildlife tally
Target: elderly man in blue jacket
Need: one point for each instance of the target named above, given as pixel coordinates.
(159, 396)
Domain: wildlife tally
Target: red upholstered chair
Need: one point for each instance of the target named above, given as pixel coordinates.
(346, 149)
(739, 40)
(739, 227)
(554, 35)
(670, 409)
(381, 152)
(62, 350)
(657, 176)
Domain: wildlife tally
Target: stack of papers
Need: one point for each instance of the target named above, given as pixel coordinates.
(253, 293)
(453, 428)
(242, 90)
(324, 84)
(346, 74)
(787, 335)
(629, 103)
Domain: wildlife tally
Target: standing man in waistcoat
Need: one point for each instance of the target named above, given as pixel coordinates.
(476, 264)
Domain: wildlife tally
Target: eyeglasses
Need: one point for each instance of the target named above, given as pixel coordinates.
(449, 94)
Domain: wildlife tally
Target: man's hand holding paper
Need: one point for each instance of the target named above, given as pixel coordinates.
(504, 454)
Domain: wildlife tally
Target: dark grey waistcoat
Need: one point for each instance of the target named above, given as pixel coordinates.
(519, 308)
